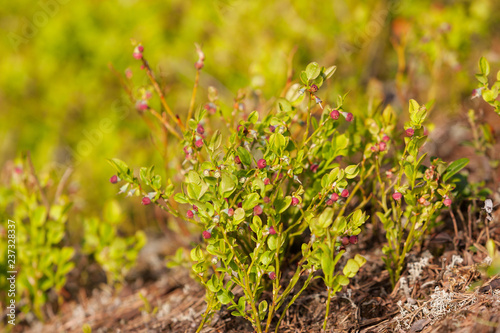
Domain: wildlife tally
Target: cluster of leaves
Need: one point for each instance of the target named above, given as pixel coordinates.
(487, 92)
(40, 249)
(115, 254)
(41, 260)
(425, 190)
(254, 194)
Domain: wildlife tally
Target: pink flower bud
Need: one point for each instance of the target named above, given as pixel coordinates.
(230, 212)
(200, 129)
(272, 231)
(335, 114)
(206, 234)
(349, 116)
(334, 197)
(146, 201)
(386, 138)
(329, 202)
(237, 160)
(345, 240)
(272, 275)
(267, 181)
(345, 193)
(382, 146)
(295, 201)
(353, 239)
(409, 132)
(199, 143)
(113, 179)
(190, 214)
(314, 167)
(397, 196)
(447, 202)
(257, 210)
(261, 164)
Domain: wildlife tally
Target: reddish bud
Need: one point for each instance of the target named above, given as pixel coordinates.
(382, 146)
(374, 149)
(257, 210)
(141, 105)
(230, 212)
(267, 200)
(200, 129)
(409, 132)
(334, 115)
(272, 231)
(353, 239)
(272, 275)
(190, 214)
(240, 204)
(146, 201)
(397, 196)
(195, 208)
(237, 160)
(345, 240)
(137, 55)
(386, 138)
(267, 181)
(334, 197)
(261, 164)
(199, 143)
(447, 202)
(314, 167)
(114, 179)
(426, 131)
(206, 234)
(329, 202)
(272, 128)
(349, 117)
(295, 201)
(314, 88)
(345, 193)
(140, 48)
(421, 200)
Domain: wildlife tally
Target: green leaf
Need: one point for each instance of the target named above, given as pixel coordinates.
(484, 66)
(326, 218)
(455, 167)
(282, 204)
(225, 296)
(38, 216)
(239, 214)
(351, 171)
(277, 142)
(193, 178)
(327, 262)
(253, 117)
(216, 141)
(244, 155)
(342, 280)
(284, 105)
(329, 72)
(313, 70)
(303, 77)
(180, 198)
(414, 106)
(351, 268)
(360, 259)
(227, 185)
(250, 201)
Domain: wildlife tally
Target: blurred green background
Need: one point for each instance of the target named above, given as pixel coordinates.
(59, 99)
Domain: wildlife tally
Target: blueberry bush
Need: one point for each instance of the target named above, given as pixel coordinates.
(303, 174)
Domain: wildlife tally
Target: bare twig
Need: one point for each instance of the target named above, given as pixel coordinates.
(33, 173)
(62, 183)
